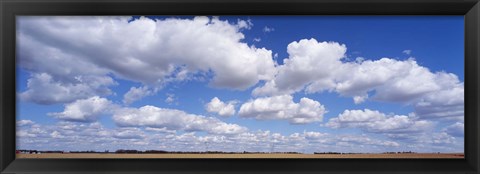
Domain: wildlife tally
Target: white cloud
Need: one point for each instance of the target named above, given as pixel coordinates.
(375, 121)
(268, 29)
(309, 61)
(129, 133)
(172, 119)
(75, 136)
(84, 110)
(359, 59)
(221, 108)
(24, 134)
(24, 122)
(161, 130)
(56, 134)
(314, 135)
(247, 24)
(392, 80)
(407, 52)
(441, 138)
(170, 98)
(415, 81)
(447, 102)
(456, 130)
(315, 67)
(364, 140)
(135, 94)
(43, 89)
(360, 116)
(94, 136)
(359, 99)
(257, 39)
(67, 47)
(30, 131)
(431, 140)
(283, 108)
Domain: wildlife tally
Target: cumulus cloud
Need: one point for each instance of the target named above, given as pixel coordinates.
(81, 136)
(24, 134)
(364, 140)
(311, 135)
(84, 110)
(151, 117)
(29, 130)
(439, 138)
(135, 94)
(377, 122)
(75, 136)
(172, 119)
(160, 130)
(141, 50)
(24, 122)
(392, 80)
(129, 133)
(309, 61)
(283, 108)
(315, 67)
(360, 116)
(407, 52)
(220, 107)
(447, 102)
(456, 130)
(56, 134)
(43, 89)
(443, 138)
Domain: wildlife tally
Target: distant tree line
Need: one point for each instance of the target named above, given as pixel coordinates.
(363, 153)
(398, 152)
(332, 153)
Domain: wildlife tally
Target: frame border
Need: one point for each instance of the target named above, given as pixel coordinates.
(10, 8)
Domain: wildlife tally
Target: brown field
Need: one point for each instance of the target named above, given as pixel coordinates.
(272, 156)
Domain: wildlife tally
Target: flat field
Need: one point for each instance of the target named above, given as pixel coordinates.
(273, 156)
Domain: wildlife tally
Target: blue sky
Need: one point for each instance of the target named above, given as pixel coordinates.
(298, 83)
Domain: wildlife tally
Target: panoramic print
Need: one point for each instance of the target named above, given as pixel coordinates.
(240, 86)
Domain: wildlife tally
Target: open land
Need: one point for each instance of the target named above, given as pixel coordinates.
(239, 155)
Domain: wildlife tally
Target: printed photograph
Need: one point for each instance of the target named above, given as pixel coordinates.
(240, 87)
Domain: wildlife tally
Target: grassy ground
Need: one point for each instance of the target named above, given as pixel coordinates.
(118, 156)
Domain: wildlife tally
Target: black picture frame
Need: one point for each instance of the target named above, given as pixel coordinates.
(10, 8)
